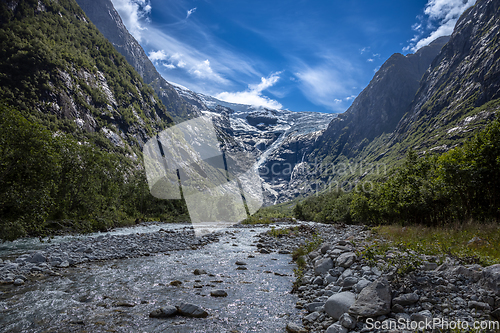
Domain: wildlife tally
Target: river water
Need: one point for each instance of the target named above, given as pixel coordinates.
(118, 295)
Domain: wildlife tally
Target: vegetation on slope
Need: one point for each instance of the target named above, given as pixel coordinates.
(73, 115)
(459, 185)
(57, 67)
(50, 180)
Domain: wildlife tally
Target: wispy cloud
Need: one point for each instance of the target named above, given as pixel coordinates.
(439, 19)
(328, 84)
(253, 95)
(133, 12)
(209, 70)
(190, 12)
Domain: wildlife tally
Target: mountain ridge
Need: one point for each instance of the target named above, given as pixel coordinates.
(108, 21)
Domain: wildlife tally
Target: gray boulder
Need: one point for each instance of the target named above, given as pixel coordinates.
(191, 310)
(164, 312)
(422, 316)
(478, 305)
(37, 257)
(349, 281)
(496, 314)
(325, 248)
(18, 282)
(295, 328)
(329, 279)
(338, 304)
(322, 266)
(362, 284)
(314, 306)
(198, 271)
(312, 317)
(374, 300)
(318, 281)
(218, 293)
(346, 259)
(491, 278)
(347, 321)
(336, 328)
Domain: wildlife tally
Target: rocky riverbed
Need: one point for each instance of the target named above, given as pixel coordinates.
(103, 247)
(348, 287)
(240, 279)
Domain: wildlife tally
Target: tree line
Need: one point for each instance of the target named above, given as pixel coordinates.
(49, 180)
(460, 185)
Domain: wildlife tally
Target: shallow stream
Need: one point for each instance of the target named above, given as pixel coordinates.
(118, 295)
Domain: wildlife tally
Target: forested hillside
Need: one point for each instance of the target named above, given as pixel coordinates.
(74, 117)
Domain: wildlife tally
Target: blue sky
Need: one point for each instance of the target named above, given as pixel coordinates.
(301, 55)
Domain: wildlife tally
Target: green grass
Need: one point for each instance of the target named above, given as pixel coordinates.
(298, 256)
(456, 241)
(265, 215)
(283, 231)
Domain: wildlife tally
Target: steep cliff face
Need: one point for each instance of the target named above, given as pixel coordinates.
(294, 169)
(457, 95)
(380, 106)
(59, 70)
(108, 21)
(462, 78)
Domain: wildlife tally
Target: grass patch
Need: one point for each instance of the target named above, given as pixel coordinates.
(470, 242)
(298, 257)
(280, 232)
(271, 214)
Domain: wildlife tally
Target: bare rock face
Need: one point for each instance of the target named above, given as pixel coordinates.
(374, 300)
(108, 21)
(491, 278)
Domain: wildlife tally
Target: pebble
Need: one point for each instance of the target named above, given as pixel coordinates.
(218, 293)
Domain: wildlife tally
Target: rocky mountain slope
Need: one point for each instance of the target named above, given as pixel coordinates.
(463, 77)
(380, 106)
(377, 110)
(108, 21)
(456, 97)
(59, 70)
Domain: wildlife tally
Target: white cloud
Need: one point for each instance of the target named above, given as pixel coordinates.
(370, 60)
(327, 83)
(132, 13)
(253, 95)
(225, 66)
(169, 66)
(190, 12)
(203, 70)
(441, 13)
(156, 56)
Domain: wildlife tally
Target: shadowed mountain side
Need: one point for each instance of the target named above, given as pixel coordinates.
(464, 76)
(380, 106)
(104, 16)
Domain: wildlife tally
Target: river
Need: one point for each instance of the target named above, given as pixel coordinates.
(118, 295)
